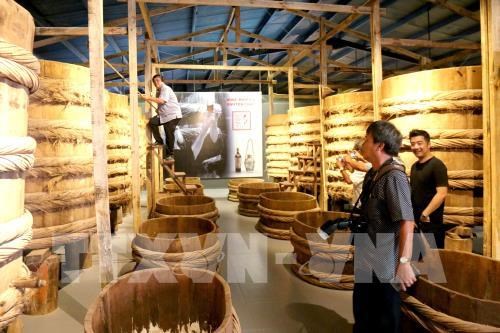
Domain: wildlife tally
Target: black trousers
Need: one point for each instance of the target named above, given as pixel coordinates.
(169, 128)
(377, 307)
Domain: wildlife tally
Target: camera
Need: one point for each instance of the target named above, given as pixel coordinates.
(355, 223)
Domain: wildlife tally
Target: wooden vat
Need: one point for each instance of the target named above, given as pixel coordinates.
(277, 146)
(323, 263)
(304, 127)
(188, 205)
(248, 195)
(234, 183)
(60, 187)
(465, 303)
(346, 118)
(16, 154)
(448, 104)
(119, 150)
(171, 301)
(177, 241)
(277, 211)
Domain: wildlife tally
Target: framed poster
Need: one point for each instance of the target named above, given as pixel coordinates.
(219, 135)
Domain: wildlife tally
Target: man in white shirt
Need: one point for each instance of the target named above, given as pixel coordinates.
(168, 114)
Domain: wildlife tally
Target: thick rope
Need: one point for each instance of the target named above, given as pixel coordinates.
(16, 153)
(15, 72)
(441, 320)
(348, 119)
(248, 212)
(249, 197)
(63, 229)
(60, 130)
(298, 139)
(272, 232)
(203, 258)
(66, 171)
(300, 129)
(301, 119)
(470, 211)
(15, 235)
(463, 220)
(358, 108)
(43, 201)
(450, 143)
(443, 95)
(13, 300)
(347, 251)
(347, 132)
(465, 184)
(284, 213)
(19, 55)
(44, 243)
(332, 281)
(57, 91)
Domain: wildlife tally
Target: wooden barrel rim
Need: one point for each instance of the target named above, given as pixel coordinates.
(257, 188)
(169, 274)
(295, 201)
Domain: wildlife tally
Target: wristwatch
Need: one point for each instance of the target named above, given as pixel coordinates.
(404, 260)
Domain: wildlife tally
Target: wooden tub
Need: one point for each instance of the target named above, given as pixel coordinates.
(277, 211)
(248, 195)
(160, 299)
(177, 241)
(468, 302)
(187, 205)
(337, 250)
(234, 183)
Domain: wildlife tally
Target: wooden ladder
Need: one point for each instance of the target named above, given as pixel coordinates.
(309, 164)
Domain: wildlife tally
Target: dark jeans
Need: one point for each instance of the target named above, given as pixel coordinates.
(169, 128)
(376, 307)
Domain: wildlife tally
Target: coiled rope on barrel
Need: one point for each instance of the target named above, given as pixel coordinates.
(272, 232)
(19, 65)
(16, 153)
(15, 235)
(202, 258)
(356, 108)
(435, 101)
(322, 279)
(212, 215)
(436, 321)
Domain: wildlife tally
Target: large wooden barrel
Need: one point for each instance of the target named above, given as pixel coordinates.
(346, 118)
(277, 211)
(277, 146)
(305, 129)
(233, 185)
(60, 188)
(447, 103)
(248, 196)
(119, 150)
(164, 300)
(177, 241)
(18, 78)
(329, 263)
(465, 302)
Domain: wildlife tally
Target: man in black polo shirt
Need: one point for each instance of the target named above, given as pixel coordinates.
(429, 186)
(381, 263)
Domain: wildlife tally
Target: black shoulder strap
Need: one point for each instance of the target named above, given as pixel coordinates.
(381, 172)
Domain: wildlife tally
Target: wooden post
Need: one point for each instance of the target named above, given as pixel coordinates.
(291, 97)
(45, 266)
(376, 58)
(490, 51)
(96, 54)
(237, 23)
(270, 92)
(134, 109)
(150, 159)
(323, 69)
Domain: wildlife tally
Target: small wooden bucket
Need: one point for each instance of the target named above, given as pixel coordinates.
(187, 205)
(248, 195)
(234, 183)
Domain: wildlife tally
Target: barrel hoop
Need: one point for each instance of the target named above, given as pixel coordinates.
(62, 92)
(43, 201)
(16, 153)
(14, 300)
(15, 234)
(332, 281)
(20, 74)
(272, 232)
(463, 220)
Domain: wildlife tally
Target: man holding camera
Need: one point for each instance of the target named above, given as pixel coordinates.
(382, 261)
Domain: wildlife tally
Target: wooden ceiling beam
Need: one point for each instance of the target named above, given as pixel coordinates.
(456, 9)
(222, 67)
(430, 44)
(283, 5)
(266, 45)
(149, 29)
(79, 31)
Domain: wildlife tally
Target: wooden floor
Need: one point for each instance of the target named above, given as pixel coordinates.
(267, 296)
